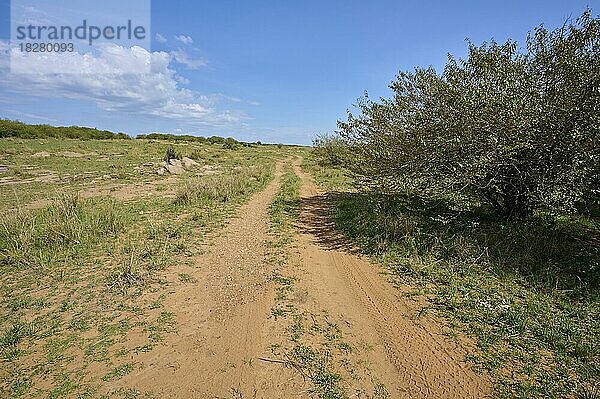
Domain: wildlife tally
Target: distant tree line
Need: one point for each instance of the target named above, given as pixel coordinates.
(18, 129)
(518, 130)
(228, 142)
(9, 128)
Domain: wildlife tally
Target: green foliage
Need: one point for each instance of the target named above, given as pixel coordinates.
(118, 372)
(216, 140)
(518, 131)
(171, 137)
(223, 187)
(474, 177)
(332, 178)
(316, 366)
(329, 150)
(230, 143)
(171, 153)
(10, 128)
(32, 238)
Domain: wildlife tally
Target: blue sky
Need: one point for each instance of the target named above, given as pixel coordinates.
(275, 71)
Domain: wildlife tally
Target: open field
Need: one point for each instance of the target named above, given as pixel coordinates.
(431, 229)
(244, 276)
(88, 244)
(124, 283)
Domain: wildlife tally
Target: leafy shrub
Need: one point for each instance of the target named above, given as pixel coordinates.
(329, 150)
(517, 131)
(171, 137)
(171, 153)
(230, 144)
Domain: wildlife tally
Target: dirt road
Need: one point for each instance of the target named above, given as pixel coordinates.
(226, 330)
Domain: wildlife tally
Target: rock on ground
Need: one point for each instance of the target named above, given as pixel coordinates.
(188, 162)
(176, 166)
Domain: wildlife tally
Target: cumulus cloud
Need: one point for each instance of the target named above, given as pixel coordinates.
(160, 38)
(106, 80)
(107, 59)
(185, 39)
(183, 58)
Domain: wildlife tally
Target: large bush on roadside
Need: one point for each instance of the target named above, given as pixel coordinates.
(517, 130)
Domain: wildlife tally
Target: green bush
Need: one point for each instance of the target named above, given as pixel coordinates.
(170, 137)
(230, 144)
(518, 131)
(329, 150)
(171, 153)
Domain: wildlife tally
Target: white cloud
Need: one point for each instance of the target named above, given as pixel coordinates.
(160, 38)
(183, 58)
(20, 114)
(184, 39)
(32, 16)
(107, 59)
(4, 47)
(31, 9)
(105, 80)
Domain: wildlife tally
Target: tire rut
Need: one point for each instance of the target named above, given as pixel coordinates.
(221, 318)
(413, 357)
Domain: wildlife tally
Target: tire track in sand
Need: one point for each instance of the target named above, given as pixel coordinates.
(413, 358)
(223, 326)
(221, 319)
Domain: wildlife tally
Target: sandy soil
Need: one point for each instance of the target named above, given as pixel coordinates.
(225, 326)
(412, 357)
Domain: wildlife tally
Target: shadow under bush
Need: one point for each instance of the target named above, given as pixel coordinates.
(528, 291)
(546, 253)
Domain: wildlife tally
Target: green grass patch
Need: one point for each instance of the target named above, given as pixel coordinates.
(224, 187)
(330, 178)
(118, 372)
(528, 292)
(36, 239)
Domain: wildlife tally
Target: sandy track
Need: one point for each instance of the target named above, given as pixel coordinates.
(221, 318)
(411, 357)
(224, 324)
